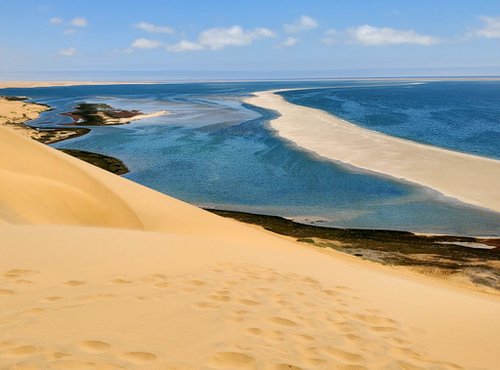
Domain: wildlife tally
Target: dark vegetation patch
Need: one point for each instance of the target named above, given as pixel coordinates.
(424, 253)
(99, 114)
(105, 162)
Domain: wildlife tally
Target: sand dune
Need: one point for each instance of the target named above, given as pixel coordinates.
(73, 295)
(13, 113)
(100, 272)
(471, 179)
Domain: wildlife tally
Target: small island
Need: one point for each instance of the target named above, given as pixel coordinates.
(100, 114)
(17, 110)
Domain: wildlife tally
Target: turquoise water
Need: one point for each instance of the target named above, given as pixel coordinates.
(215, 151)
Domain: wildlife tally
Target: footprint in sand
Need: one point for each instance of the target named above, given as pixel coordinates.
(283, 322)
(286, 367)
(53, 298)
(16, 273)
(206, 305)
(59, 355)
(344, 355)
(4, 292)
(375, 320)
(255, 331)
(74, 282)
(330, 292)
(232, 360)
(310, 281)
(23, 282)
(94, 346)
(121, 281)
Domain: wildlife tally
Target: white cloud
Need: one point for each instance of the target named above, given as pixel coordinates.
(330, 37)
(304, 23)
(145, 44)
(491, 28)
(184, 45)
(289, 42)
(67, 52)
(151, 28)
(69, 31)
(369, 35)
(79, 22)
(219, 38)
(56, 20)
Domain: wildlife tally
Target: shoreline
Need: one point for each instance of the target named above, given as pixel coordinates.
(51, 135)
(470, 179)
(53, 83)
(100, 255)
(443, 258)
(105, 162)
(34, 84)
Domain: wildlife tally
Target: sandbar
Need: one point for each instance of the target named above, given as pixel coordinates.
(471, 179)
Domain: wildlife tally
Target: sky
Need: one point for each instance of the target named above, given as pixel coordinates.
(293, 38)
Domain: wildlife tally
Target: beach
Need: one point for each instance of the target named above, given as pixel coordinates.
(100, 272)
(28, 84)
(471, 179)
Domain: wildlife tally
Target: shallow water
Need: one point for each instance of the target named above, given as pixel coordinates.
(214, 151)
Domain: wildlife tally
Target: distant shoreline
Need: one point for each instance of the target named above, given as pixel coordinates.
(34, 84)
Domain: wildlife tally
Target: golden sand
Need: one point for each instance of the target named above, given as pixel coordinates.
(100, 272)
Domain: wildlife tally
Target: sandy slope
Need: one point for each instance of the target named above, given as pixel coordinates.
(471, 179)
(99, 272)
(14, 113)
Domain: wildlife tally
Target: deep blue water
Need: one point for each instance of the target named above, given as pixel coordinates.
(212, 150)
(462, 116)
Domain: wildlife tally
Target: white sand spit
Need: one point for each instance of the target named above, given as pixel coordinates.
(468, 178)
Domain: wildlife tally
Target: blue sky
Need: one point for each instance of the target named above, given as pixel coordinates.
(322, 37)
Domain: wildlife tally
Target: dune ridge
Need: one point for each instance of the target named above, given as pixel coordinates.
(100, 272)
(471, 179)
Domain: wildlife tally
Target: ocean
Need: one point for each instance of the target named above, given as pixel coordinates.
(214, 151)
